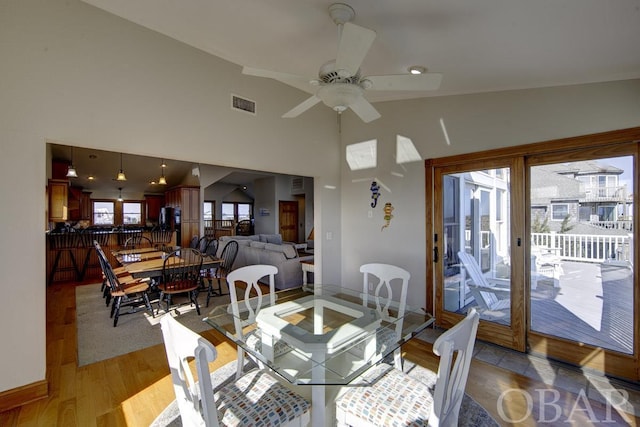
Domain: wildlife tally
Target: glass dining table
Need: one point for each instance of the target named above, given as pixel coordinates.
(322, 336)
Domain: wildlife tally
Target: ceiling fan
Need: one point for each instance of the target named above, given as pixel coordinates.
(339, 84)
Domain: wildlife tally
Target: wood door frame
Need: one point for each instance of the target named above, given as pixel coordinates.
(606, 144)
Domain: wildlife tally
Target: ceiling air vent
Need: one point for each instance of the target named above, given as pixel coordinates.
(243, 104)
(297, 184)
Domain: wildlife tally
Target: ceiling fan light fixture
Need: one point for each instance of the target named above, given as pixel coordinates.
(417, 69)
(340, 96)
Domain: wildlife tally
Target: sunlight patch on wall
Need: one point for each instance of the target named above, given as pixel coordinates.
(405, 150)
(362, 155)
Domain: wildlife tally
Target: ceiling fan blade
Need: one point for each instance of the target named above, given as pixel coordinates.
(365, 110)
(301, 108)
(354, 44)
(296, 81)
(428, 81)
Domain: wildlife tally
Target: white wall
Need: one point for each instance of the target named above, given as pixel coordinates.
(75, 74)
(265, 191)
(78, 75)
(474, 123)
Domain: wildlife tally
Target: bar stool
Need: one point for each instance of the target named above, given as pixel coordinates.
(59, 243)
(88, 237)
(129, 234)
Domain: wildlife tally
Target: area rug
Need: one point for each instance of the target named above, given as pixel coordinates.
(471, 413)
(99, 340)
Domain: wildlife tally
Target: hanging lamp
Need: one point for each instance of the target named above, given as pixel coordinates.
(162, 180)
(121, 176)
(71, 170)
(120, 199)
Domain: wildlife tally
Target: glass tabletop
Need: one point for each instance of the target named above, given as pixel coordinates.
(319, 334)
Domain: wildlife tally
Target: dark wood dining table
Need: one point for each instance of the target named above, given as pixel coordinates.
(148, 262)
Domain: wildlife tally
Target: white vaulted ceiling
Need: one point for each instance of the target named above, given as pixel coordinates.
(479, 46)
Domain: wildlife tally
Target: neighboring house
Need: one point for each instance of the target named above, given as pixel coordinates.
(588, 192)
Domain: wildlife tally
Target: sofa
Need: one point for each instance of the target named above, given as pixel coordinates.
(271, 250)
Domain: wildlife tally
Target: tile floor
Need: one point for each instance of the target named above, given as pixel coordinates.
(557, 374)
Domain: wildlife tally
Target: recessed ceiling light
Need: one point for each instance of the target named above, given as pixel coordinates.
(417, 69)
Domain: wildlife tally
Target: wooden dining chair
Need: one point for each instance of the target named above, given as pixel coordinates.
(161, 238)
(208, 274)
(121, 273)
(132, 294)
(180, 275)
(256, 398)
(395, 398)
(228, 257)
(388, 292)
(194, 243)
(137, 242)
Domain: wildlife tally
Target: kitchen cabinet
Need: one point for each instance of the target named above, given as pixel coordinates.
(58, 200)
(187, 199)
(79, 204)
(85, 206)
(154, 203)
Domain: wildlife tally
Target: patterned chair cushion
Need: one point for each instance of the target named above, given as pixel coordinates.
(254, 341)
(385, 338)
(247, 402)
(394, 399)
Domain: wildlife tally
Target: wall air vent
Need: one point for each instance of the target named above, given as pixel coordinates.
(297, 184)
(243, 104)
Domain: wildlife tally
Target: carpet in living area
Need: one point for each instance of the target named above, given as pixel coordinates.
(99, 340)
(472, 414)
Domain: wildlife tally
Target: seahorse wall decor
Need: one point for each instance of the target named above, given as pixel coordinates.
(375, 193)
(388, 208)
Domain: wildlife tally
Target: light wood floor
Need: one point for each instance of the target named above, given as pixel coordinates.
(131, 390)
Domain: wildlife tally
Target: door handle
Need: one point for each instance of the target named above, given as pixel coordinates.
(435, 254)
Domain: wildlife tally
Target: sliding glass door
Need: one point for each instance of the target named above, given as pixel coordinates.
(540, 241)
(473, 214)
(582, 293)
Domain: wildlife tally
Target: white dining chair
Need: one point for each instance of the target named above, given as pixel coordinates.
(397, 399)
(256, 398)
(389, 304)
(245, 311)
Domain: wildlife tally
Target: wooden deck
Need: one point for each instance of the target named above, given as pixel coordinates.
(592, 305)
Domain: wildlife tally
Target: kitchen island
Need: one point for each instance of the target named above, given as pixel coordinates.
(71, 255)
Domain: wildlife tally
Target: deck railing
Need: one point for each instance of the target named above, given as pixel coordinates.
(586, 247)
(219, 227)
(614, 225)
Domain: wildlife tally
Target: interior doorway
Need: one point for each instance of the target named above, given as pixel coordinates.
(288, 216)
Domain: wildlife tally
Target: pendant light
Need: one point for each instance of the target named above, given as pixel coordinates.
(71, 170)
(120, 199)
(121, 176)
(162, 179)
